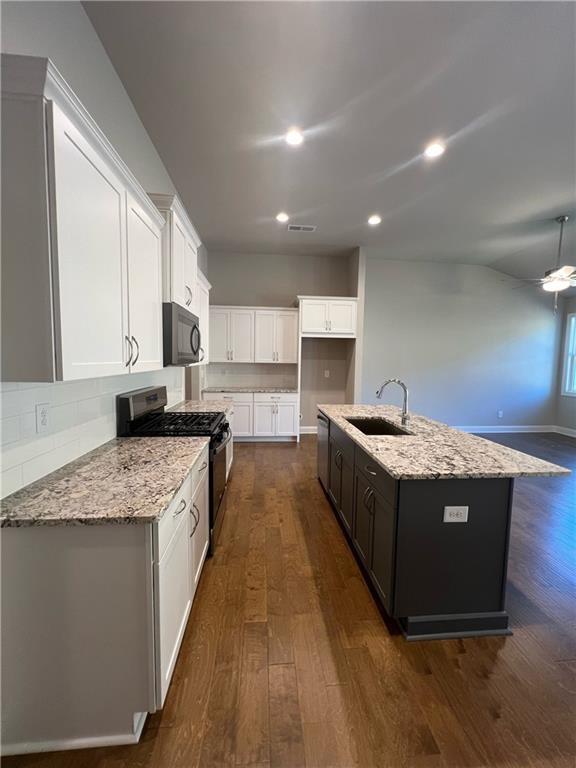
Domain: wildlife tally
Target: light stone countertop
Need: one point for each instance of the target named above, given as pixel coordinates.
(126, 480)
(434, 450)
(287, 390)
(202, 406)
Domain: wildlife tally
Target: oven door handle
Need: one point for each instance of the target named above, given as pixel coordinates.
(225, 442)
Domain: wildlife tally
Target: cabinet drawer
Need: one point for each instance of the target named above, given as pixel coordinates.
(229, 397)
(376, 476)
(344, 443)
(168, 524)
(275, 397)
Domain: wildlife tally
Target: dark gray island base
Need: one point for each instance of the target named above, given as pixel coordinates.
(439, 572)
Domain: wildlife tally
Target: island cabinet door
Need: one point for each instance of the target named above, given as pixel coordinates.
(334, 476)
(362, 536)
(347, 494)
(382, 556)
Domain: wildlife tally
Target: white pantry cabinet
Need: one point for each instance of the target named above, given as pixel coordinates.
(328, 316)
(180, 243)
(276, 336)
(80, 239)
(231, 335)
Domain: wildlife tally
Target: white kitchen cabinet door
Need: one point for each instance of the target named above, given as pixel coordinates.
(190, 270)
(203, 293)
(265, 336)
(144, 289)
(286, 337)
(180, 293)
(264, 419)
(92, 264)
(241, 334)
(219, 345)
(315, 314)
(286, 419)
(173, 606)
(199, 531)
(342, 316)
(242, 419)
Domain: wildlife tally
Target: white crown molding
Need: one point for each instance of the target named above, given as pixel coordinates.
(37, 77)
(171, 202)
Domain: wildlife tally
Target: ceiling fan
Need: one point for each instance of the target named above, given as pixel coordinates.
(559, 278)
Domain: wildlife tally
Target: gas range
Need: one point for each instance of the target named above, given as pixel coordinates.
(142, 413)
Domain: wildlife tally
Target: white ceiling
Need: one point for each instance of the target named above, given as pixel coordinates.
(217, 84)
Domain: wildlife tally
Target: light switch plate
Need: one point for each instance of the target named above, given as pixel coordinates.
(456, 514)
(42, 417)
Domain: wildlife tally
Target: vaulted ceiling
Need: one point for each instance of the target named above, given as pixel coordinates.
(370, 84)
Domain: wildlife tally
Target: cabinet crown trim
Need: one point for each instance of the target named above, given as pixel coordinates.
(35, 76)
(172, 203)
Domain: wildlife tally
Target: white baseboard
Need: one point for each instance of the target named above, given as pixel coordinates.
(566, 431)
(308, 430)
(88, 742)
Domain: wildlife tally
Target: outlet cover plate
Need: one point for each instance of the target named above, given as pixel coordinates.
(456, 514)
(42, 417)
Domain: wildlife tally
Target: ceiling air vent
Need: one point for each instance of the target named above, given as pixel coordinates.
(301, 228)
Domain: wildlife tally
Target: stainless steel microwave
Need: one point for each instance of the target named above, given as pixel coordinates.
(182, 338)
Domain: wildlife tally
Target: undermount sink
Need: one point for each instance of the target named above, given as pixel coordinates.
(376, 426)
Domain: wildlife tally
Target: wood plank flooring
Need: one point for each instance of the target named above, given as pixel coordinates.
(286, 661)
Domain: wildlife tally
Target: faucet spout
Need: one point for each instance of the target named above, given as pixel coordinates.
(405, 414)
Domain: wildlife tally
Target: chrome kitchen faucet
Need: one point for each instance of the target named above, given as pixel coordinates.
(405, 415)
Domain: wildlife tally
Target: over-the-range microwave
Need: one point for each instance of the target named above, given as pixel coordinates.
(182, 338)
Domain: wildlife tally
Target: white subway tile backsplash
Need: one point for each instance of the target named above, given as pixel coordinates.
(82, 417)
(10, 429)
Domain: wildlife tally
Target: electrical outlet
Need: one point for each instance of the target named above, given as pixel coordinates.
(42, 417)
(327, 373)
(500, 414)
(456, 514)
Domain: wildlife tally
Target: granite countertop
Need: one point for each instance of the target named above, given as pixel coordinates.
(127, 480)
(202, 406)
(287, 390)
(434, 450)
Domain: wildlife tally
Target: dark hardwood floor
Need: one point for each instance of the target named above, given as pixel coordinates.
(287, 662)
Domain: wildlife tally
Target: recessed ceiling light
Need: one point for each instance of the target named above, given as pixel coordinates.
(374, 220)
(435, 149)
(294, 137)
(282, 217)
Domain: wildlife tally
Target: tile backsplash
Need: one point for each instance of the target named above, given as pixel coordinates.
(81, 416)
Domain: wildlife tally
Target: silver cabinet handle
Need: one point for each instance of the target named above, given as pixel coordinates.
(131, 351)
(370, 471)
(181, 508)
(189, 294)
(329, 325)
(203, 354)
(196, 518)
(137, 350)
(203, 467)
(231, 354)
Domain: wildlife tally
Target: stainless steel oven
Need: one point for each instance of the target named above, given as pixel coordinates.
(217, 481)
(182, 338)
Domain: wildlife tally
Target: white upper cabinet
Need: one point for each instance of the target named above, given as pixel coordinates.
(180, 253)
(231, 335)
(276, 336)
(80, 239)
(328, 316)
(144, 289)
(203, 294)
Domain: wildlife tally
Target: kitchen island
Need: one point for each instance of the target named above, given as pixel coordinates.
(426, 510)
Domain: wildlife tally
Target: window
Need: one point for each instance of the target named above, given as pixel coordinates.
(569, 377)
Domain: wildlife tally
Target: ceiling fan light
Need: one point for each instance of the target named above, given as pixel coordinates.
(557, 284)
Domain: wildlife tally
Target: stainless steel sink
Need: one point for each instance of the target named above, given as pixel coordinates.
(376, 426)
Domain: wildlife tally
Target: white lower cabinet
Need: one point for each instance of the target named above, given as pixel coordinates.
(174, 602)
(199, 528)
(276, 415)
(264, 414)
(242, 418)
(287, 419)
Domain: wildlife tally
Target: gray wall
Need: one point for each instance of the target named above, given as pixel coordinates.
(82, 413)
(566, 406)
(466, 343)
(63, 33)
(276, 280)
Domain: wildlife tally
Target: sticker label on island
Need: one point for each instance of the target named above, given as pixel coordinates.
(456, 514)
